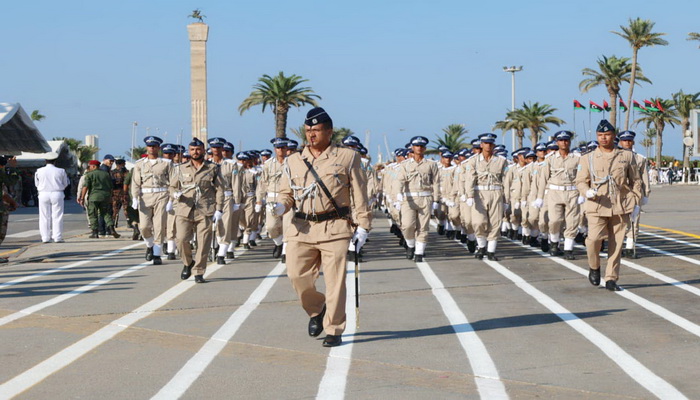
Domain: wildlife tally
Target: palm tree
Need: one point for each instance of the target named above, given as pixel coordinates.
(514, 121)
(37, 116)
(694, 36)
(649, 138)
(453, 138)
(300, 132)
(667, 115)
(639, 35)
(340, 133)
(136, 152)
(86, 153)
(537, 117)
(279, 93)
(611, 73)
(684, 103)
(647, 143)
(197, 14)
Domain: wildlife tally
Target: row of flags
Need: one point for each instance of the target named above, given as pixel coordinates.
(648, 106)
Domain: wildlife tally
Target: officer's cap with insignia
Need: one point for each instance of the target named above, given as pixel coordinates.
(464, 152)
(488, 137)
(499, 147)
(398, 152)
(502, 153)
(552, 145)
(317, 116)
(209, 151)
(266, 153)
(196, 142)
(168, 148)
(228, 146)
(152, 140)
(521, 150)
(605, 126)
(541, 146)
(186, 154)
(279, 142)
(419, 141)
(455, 156)
(407, 145)
(530, 154)
(351, 141)
(216, 142)
(627, 135)
(563, 135)
(363, 150)
(242, 155)
(593, 144)
(447, 154)
(476, 144)
(442, 148)
(292, 144)
(409, 151)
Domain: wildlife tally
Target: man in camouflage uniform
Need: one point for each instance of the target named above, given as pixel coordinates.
(99, 201)
(119, 198)
(8, 178)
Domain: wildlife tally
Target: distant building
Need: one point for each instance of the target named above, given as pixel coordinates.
(93, 140)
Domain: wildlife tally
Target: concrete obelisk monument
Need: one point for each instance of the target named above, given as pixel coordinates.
(198, 33)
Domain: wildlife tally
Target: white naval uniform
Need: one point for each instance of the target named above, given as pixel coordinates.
(50, 182)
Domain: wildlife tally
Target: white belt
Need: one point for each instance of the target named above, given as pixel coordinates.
(250, 194)
(418, 194)
(153, 190)
(272, 194)
(489, 187)
(557, 187)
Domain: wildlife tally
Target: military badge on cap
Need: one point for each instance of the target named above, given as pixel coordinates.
(152, 141)
(216, 142)
(541, 147)
(363, 150)
(419, 141)
(605, 126)
(447, 154)
(196, 142)
(627, 135)
(530, 154)
(317, 116)
(292, 144)
(442, 148)
(476, 144)
(266, 153)
(464, 152)
(398, 152)
(278, 142)
(228, 146)
(242, 155)
(552, 145)
(168, 148)
(592, 145)
(488, 137)
(563, 135)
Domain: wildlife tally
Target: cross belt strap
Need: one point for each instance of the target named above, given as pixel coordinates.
(338, 211)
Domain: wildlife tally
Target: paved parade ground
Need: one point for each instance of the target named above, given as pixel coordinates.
(91, 319)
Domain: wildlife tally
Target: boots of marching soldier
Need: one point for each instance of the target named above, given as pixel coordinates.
(471, 246)
(410, 248)
(441, 229)
(554, 250)
(419, 252)
(135, 234)
(94, 234)
(480, 253)
(491, 250)
(525, 239)
(450, 235)
(458, 235)
(511, 234)
(534, 242)
(464, 238)
(580, 238)
(113, 232)
(277, 251)
(544, 245)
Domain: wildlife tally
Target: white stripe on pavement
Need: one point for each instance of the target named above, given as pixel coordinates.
(26, 220)
(335, 377)
(73, 265)
(670, 238)
(184, 378)
(24, 234)
(636, 370)
(668, 253)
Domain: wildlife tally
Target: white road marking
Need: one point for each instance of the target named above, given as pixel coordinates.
(73, 265)
(25, 234)
(335, 377)
(65, 357)
(184, 378)
(26, 220)
(668, 253)
(670, 238)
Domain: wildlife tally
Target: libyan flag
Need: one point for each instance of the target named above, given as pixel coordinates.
(595, 107)
(650, 106)
(606, 106)
(578, 106)
(637, 106)
(623, 106)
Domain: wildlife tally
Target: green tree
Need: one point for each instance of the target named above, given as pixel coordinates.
(300, 132)
(339, 134)
(514, 121)
(279, 93)
(37, 116)
(639, 34)
(611, 72)
(648, 141)
(537, 117)
(694, 36)
(86, 153)
(136, 152)
(684, 103)
(197, 14)
(453, 137)
(667, 115)
(73, 144)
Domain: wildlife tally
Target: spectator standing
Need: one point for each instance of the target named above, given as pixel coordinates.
(50, 182)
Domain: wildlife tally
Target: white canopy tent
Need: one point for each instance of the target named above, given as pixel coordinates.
(18, 133)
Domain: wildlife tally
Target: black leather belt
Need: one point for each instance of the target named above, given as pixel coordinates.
(343, 213)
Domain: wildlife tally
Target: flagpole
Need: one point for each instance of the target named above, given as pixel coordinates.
(589, 118)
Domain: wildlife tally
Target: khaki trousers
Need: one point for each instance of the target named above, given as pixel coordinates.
(223, 226)
(248, 219)
(563, 208)
(465, 215)
(441, 213)
(305, 261)
(453, 215)
(487, 213)
(516, 215)
(543, 219)
(533, 217)
(202, 226)
(152, 216)
(274, 224)
(170, 231)
(613, 229)
(633, 224)
(415, 217)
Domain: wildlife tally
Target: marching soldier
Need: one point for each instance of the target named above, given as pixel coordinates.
(447, 172)
(525, 190)
(418, 196)
(149, 193)
(465, 211)
(483, 182)
(99, 201)
(513, 199)
(627, 143)
(119, 198)
(197, 195)
(267, 192)
(557, 178)
(317, 187)
(609, 179)
(249, 182)
(388, 188)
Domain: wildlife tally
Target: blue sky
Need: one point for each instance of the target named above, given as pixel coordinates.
(393, 68)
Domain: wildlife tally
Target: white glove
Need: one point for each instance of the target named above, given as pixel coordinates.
(581, 200)
(591, 193)
(397, 205)
(236, 207)
(470, 201)
(523, 204)
(399, 197)
(360, 236)
(169, 206)
(217, 216)
(228, 193)
(177, 195)
(135, 203)
(538, 203)
(279, 209)
(450, 203)
(506, 206)
(258, 208)
(463, 198)
(435, 205)
(635, 213)
(516, 206)
(645, 200)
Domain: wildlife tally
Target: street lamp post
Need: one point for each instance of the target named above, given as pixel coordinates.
(512, 71)
(133, 139)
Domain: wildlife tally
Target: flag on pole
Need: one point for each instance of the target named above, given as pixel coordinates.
(595, 107)
(623, 106)
(637, 106)
(650, 106)
(659, 106)
(606, 106)
(578, 106)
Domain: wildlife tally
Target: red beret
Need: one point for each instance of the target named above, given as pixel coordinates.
(93, 162)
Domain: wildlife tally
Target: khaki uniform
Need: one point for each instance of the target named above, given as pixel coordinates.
(315, 246)
(249, 219)
(389, 190)
(267, 192)
(507, 191)
(222, 228)
(615, 175)
(419, 183)
(516, 214)
(446, 195)
(530, 214)
(460, 194)
(557, 178)
(643, 165)
(149, 184)
(197, 194)
(538, 218)
(483, 181)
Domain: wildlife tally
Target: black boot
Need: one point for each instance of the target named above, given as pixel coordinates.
(533, 241)
(171, 256)
(187, 271)
(450, 235)
(554, 250)
(480, 253)
(504, 233)
(114, 233)
(135, 235)
(418, 258)
(458, 235)
(252, 243)
(230, 255)
(157, 260)
(277, 251)
(580, 238)
(491, 256)
(220, 260)
(569, 255)
(410, 251)
(519, 236)
(511, 234)
(471, 246)
(441, 230)
(526, 239)
(544, 245)
(149, 254)
(94, 234)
